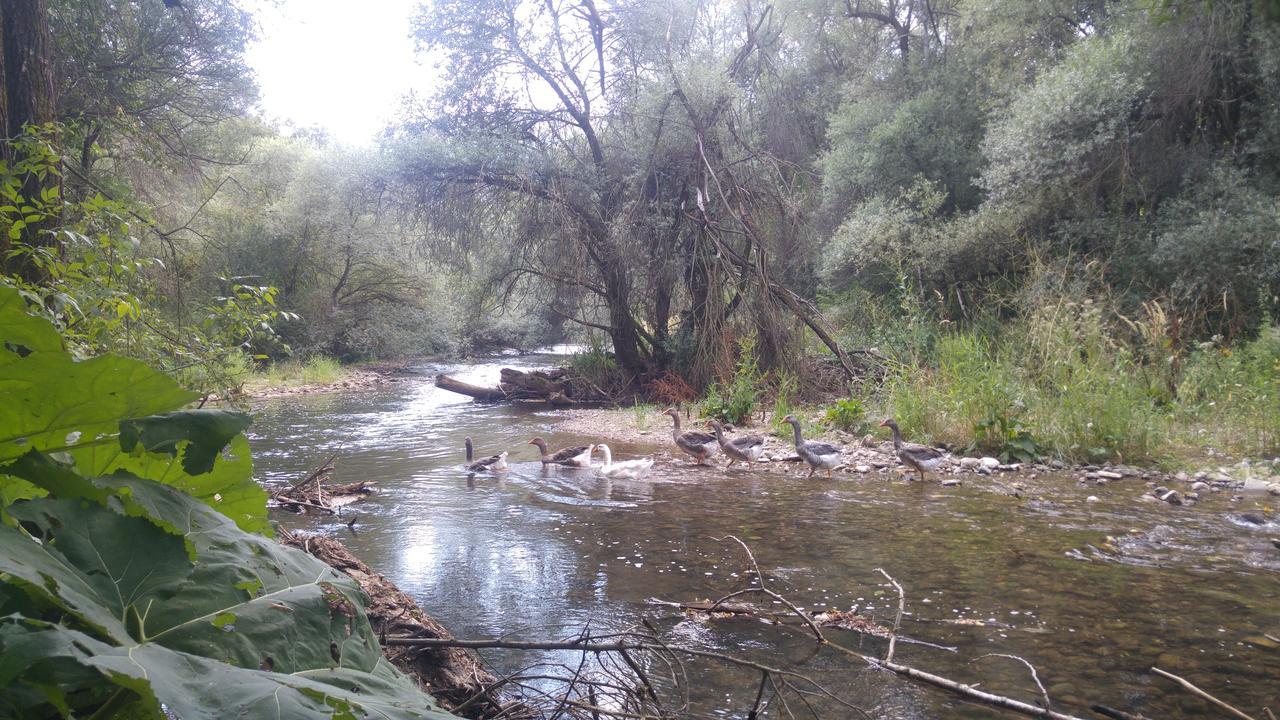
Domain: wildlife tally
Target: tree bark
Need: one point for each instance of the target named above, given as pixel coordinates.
(29, 99)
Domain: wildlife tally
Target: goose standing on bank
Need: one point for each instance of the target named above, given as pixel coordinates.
(747, 448)
(698, 444)
(919, 457)
(579, 456)
(495, 463)
(817, 454)
(623, 468)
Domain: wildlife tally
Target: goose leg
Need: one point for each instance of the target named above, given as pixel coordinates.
(829, 473)
(811, 471)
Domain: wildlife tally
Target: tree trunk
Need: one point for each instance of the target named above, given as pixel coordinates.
(29, 99)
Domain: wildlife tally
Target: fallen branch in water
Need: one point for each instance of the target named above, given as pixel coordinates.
(817, 634)
(1201, 693)
(1034, 675)
(1115, 714)
(897, 621)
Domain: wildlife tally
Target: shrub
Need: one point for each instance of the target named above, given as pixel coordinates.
(846, 414)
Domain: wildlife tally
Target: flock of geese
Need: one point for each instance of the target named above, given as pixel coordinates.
(702, 446)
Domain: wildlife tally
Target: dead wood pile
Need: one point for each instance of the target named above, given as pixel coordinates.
(312, 495)
(554, 387)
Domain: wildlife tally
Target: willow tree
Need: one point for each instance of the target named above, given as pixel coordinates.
(624, 149)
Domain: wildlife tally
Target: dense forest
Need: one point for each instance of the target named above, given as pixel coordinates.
(1043, 232)
(1074, 199)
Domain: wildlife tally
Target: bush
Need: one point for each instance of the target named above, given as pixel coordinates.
(734, 401)
(845, 415)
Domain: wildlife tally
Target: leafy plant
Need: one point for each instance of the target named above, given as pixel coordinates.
(734, 401)
(846, 414)
(137, 578)
(1005, 437)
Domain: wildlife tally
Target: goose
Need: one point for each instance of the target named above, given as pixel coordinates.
(622, 468)
(698, 444)
(817, 454)
(919, 457)
(496, 463)
(579, 456)
(747, 448)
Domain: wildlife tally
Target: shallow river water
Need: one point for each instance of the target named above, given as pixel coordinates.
(540, 553)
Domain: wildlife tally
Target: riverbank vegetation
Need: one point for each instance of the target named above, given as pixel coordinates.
(1042, 230)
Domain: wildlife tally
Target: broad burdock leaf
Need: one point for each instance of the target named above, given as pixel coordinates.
(191, 635)
(206, 433)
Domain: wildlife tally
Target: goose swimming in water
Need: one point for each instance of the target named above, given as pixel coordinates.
(495, 463)
(579, 456)
(622, 468)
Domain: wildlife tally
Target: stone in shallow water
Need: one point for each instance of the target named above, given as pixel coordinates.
(1110, 474)
(970, 463)
(990, 463)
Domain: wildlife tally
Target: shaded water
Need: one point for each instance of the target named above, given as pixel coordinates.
(544, 552)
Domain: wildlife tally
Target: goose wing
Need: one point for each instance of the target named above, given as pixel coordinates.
(922, 453)
(694, 437)
(745, 444)
(485, 463)
(821, 448)
(569, 453)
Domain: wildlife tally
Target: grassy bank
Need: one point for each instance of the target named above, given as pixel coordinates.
(316, 370)
(1067, 379)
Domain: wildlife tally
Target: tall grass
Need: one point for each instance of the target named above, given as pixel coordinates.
(1065, 381)
(317, 370)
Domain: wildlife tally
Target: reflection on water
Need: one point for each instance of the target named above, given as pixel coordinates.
(547, 550)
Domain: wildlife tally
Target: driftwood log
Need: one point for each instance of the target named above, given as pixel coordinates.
(452, 675)
(553, 387)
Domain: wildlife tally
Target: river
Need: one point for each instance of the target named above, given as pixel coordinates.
(541, 553)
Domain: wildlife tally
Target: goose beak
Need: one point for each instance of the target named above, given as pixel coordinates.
(884, 424)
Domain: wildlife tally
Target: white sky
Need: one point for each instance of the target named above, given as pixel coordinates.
(341, 66)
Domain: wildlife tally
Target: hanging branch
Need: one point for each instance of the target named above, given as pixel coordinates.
(897, 621)
(817, 634)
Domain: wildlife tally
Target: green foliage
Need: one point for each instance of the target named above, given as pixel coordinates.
(104, 414)
(1229, 398)
(137, 580)
(847, 414)
(181, 612)
(1006, 438)
(735, 401)
(99, 284)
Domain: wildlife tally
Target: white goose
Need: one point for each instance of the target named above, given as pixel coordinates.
(623, 468)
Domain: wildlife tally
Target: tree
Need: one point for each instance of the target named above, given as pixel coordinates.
(26, 70)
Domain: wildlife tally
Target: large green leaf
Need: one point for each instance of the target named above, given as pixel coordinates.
(50, 402)
(228, 486)
(197, 688)
(112, 414)
(21, 333)
(207, 432)
(194, 635)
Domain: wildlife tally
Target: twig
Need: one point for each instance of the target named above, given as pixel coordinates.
(1116, 714)
(1034, 676)
(303, 503)
(817, 634)
(351, 524)
(755, 708)
(897, 621)
(1197, 691)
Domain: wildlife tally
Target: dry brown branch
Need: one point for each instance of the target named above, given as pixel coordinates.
(1197, 691)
